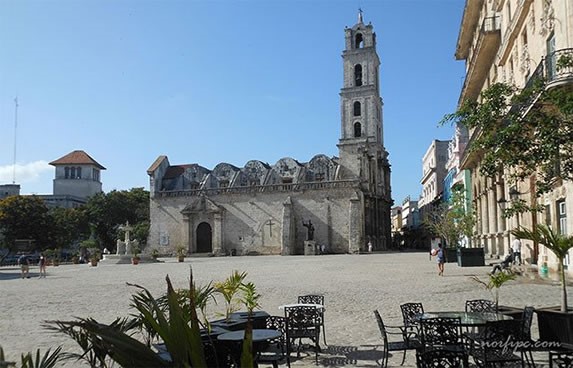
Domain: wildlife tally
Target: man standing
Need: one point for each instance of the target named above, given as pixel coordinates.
(516, 247)
(24, 263)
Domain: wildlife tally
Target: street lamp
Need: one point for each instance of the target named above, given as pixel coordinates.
(502, 203)
(513, 195)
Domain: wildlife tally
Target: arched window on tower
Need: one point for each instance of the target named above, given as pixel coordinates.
(66, 172)
(357, 108)
(73, 173)
(357, 129)
(359, 41)
(358, 75)
(79, 172)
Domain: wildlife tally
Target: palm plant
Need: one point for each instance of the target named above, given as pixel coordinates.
(48, 360)
(229, 289)
(177, 326)
(496, 280)
(251, 301)
(557, 243)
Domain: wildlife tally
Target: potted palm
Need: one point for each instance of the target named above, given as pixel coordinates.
(155, 254)
(555, 323)
(94, 257)
(495, 282)
(135, 259)
(181, 252)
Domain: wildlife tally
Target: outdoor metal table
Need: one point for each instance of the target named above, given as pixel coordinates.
(468, 319)
(235, 339)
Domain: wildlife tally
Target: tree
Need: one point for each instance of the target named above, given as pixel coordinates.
(559, 244)
(524, 133)
(451, 220)
(69, 225)
(107, 211)
(25, 217)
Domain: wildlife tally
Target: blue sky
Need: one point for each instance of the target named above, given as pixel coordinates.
(213, 81)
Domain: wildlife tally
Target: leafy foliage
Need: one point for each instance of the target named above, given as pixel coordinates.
(557, 243)
(522, 132)
(107, 211)
(229, 289)
(171, 319)
(452, 221)
(496, 280)
(25, 217)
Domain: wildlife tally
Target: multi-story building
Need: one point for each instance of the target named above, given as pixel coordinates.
(396, 218)
(262, 208)
(77, 177)
(454, 175)
(433, 175)
(514, 41)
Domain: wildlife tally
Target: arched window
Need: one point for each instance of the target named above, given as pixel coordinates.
(67, 172)
(359, 41)
(73, 173)
(79, 172)
(358, 75)
(357, 130)
(357, 109)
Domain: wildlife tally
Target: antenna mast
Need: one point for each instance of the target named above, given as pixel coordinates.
(15, 135)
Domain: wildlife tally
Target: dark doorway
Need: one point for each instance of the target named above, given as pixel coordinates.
(204, 238)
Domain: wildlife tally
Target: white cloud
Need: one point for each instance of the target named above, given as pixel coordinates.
(25, 173)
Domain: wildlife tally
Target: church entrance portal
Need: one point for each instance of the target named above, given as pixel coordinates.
(204, 238)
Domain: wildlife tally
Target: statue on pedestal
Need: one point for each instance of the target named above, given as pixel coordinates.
(309, 230)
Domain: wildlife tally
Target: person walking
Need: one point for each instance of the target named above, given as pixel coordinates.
(24, 263)
(516, 247)
(441, 259)
(42, 265)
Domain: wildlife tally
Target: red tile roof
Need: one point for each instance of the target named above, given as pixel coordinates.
(77, 157)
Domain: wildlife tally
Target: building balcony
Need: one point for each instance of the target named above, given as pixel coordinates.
(482, 58)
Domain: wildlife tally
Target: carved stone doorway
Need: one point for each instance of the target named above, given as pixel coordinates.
(204, 238)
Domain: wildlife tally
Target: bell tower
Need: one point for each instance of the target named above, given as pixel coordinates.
(361, 144)
(360, 103)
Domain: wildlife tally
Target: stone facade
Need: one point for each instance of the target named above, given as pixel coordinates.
(260, 208)
(513, 42)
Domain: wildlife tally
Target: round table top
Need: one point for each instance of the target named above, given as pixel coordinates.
(469, 318)
(318, 306)
(258, 335)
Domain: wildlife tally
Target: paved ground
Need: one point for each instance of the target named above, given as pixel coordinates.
(353, 286)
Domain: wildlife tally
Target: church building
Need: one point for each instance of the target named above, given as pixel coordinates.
(267, 209)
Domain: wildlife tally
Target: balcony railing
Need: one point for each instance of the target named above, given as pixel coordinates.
(491, 24)
(551, 70)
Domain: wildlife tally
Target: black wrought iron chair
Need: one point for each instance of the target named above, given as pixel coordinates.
(390, 346)
(561, 359)
(411, 313)
(441, 359)
(480, 305)
(442, 333)
(491, 349)
(275, 352)
(302, 322)
(315, 299)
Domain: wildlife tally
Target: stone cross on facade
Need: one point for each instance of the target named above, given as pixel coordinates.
(270, 223)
